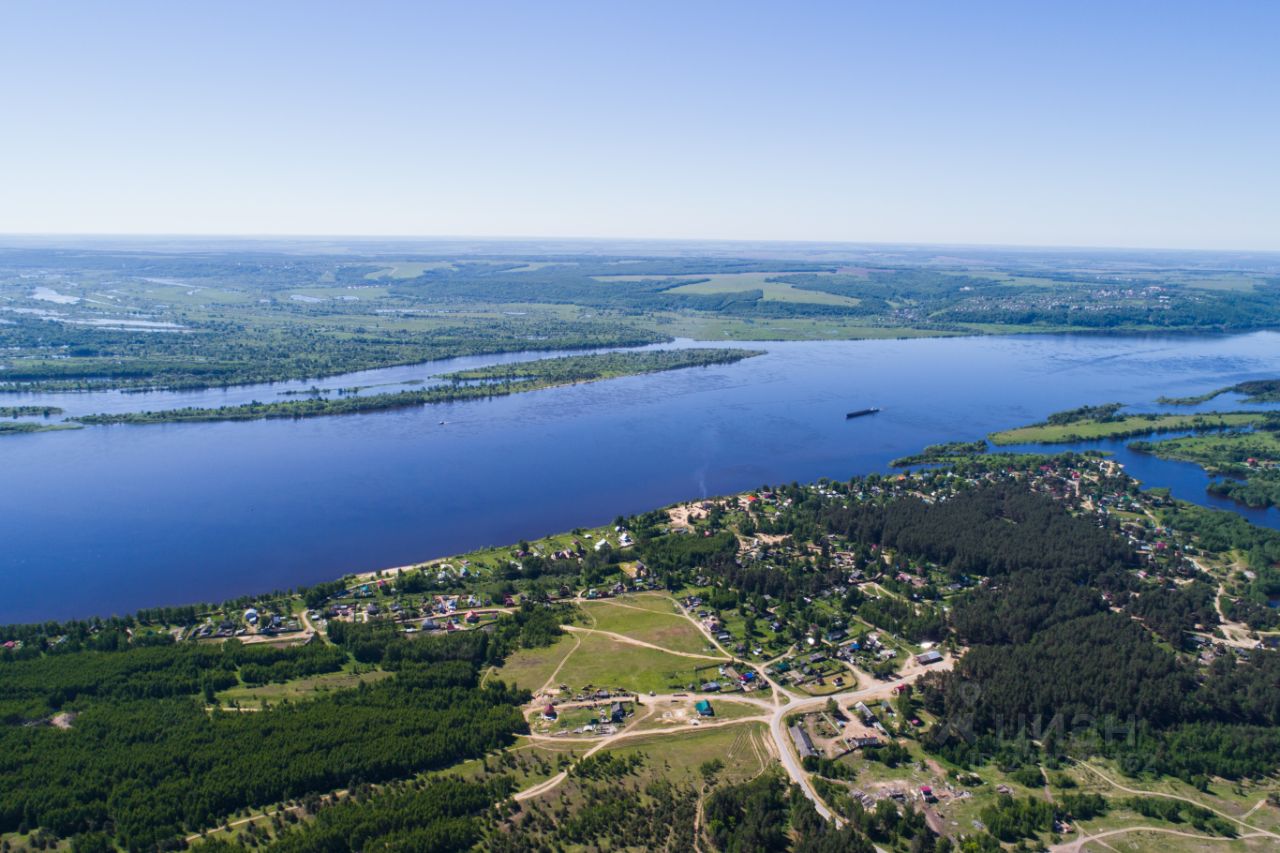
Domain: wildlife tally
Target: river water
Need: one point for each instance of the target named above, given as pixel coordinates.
(109, 519)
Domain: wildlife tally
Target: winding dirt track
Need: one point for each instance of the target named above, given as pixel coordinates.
(623, 638)
(1077, 846)
(781, 704)
(1253, 831)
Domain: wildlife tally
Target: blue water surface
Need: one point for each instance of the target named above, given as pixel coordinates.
(109, 519)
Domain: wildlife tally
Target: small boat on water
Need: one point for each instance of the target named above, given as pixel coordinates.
(859, 413)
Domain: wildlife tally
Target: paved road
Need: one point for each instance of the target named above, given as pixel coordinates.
(786, 750)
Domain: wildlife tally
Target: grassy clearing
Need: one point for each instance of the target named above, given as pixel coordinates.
(1227, 282)
(1150, 841)
(530, 668)
(302, 688)
(667, 630)
(678, 757)
(604, 662)
(658, 602)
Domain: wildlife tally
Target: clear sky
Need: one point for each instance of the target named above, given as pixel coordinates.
(1151, 124)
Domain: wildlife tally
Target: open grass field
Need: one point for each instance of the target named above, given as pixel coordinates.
(601, 661)
(658, 602)
(1088, 430)
(661, 629)
(301, 688)
(530, 668)
(678, 756)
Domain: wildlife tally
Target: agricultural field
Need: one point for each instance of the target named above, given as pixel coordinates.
(772, 291)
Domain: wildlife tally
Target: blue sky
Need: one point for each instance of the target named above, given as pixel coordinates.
(1151, 124)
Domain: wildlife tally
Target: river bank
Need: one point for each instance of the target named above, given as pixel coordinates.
(109, 519)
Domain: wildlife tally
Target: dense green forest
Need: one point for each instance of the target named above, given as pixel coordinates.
(1046, 645)
(992, 531)
(135, 753)
(436, 816)
(765, 813)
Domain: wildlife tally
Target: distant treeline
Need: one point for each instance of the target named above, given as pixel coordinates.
(214, 354)
(28, 411)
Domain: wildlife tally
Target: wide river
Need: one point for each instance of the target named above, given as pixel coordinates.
(109, 519)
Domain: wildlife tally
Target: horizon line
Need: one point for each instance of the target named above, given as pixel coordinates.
(213, 236)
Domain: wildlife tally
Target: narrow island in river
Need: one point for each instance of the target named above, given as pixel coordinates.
(29, 411)
(474, 384)
(20, 427)
(1092, 428)
(1254, 391)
